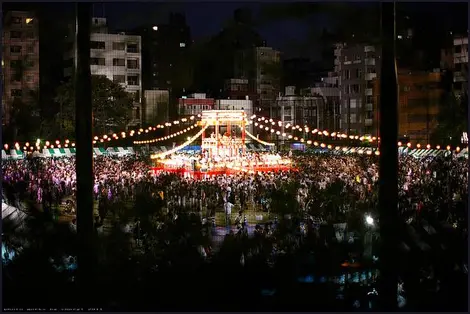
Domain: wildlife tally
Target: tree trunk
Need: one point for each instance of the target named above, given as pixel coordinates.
(388, 188)
(84, 167)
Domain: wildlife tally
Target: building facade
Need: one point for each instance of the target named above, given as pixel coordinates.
(116, 56)
(164, 48)
(20, 60)
(418, 108)
(194, 104)
(332, 101)
(357, 66)
(299, 110)
(460, 56)
(261, 66)
(238, 89)
(156, 107)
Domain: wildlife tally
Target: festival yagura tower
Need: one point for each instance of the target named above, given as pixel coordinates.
(223, 141)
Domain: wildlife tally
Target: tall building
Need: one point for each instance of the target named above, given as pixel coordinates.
(238, 89)
(20, 60)
(164, 48)
(418, 107)
(356, 67)
(261, 66)
(156, 107)
(300, 72)
(116, 56)
(460, 54)
(300, 110)
(332, 100)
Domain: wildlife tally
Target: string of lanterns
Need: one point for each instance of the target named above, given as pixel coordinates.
(258, 140)
(335, 135)
(306, 129)
(177, 148)
(166, 137)
(96, 139)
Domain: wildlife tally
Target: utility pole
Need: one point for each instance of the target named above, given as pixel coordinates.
(84, 166)
(388, 184)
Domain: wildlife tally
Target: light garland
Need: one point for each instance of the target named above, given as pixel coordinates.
(306, 129)
(177, 148)
(258, 140)
(325, 133)
(97, 139)
(166, 137)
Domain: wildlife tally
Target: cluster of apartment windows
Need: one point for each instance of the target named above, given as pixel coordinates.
(352, 89)
(353, 58)
(199, 107)
(131, 63)
(15, 49)
(133, 80)
(19, 34)
(121, 79)
(117, 62)
(120, 46)
(17, 64)
(461, 48)
(19, 20)
(461, 66)
(97, 61)
(358, 74)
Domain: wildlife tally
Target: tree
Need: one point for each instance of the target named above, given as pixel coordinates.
(24, 120)
(452, 119)
(112, 106)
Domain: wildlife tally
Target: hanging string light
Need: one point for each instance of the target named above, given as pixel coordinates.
(115, 136)
(177, 148)
(343, 136)
(166, 137)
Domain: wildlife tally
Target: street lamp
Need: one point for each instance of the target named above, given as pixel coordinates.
(369, 220)
(155, 28)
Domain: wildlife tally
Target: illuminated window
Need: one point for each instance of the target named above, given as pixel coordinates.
(182, 45)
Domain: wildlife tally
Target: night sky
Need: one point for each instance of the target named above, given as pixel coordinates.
(207, 19)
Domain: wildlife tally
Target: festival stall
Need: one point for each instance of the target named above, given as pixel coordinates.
(58, 152)
(13, 154)
(120, 151)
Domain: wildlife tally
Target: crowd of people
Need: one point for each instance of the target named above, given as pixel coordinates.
(333, 189)
(326, 186)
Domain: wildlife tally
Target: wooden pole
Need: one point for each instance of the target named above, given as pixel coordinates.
(84, 155)
(388, 184)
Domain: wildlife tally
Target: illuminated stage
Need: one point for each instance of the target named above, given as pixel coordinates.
(223, 152)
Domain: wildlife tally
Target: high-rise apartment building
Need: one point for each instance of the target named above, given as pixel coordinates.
(116, 56)
(20, 60)
(261, 66)
(164, 47)
(460, 54)
(295, 109)
(356, 67)
(418, 104)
